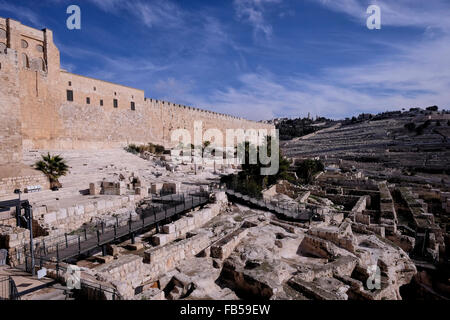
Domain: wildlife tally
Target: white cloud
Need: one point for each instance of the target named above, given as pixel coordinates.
(415, 76)
(133, 71)
(161, 13)
(400, 13)
(22, 13)
(252, 11)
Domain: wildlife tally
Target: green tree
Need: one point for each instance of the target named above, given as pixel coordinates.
(250, 180)
(308, 168)
(53, 167)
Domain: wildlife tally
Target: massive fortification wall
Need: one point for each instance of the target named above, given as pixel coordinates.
(10, 129)
(49, 108)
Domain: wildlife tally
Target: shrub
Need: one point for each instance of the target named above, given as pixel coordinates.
(159, 149)
(132, 148)
(152, 148)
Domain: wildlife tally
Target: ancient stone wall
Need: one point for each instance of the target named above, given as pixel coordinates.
(73, 217)
(224, 247)
(49, 108)
(165, 258)
(10, 129)
(190, 222)
(125, 273)
(22, 179)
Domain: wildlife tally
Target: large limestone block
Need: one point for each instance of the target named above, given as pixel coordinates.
(112, 250)
(159, 239)
(94, 189)
(104, 259)
(155, 188)
(100, 205)
(50, 217)
(136, 246)
(169, 228)
(62, 214)
(109, 204)
(142, 191)
(181, 224)
(362, 218)
(117, 203)
(70, 211)
(79, 210)
(88, 208)
(221, 197)
(171, 187)
(190, 221)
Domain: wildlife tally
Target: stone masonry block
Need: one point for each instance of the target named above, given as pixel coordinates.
(168, 228)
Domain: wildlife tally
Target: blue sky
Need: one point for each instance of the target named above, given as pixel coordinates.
(258, 59)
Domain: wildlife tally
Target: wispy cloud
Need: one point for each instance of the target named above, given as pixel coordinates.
(22, 13)
(400, 13)
(134, 70)
(161, 13)
(253, 12)
(197, 57)
(412, 74)
(415, 76)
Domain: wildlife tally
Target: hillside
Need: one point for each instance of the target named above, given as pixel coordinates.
(391, 144)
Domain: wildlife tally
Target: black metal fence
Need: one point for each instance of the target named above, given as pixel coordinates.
(90, 290)
(70, 245)
(93, 291)
(8, 289)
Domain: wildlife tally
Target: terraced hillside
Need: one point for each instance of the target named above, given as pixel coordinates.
(387, 143)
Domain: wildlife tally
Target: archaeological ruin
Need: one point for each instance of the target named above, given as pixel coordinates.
(373, 224)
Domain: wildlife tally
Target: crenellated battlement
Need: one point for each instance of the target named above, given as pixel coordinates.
(46, 107)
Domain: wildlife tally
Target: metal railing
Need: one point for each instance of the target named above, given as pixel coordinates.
(91, 290)
(8, 289)
(108, 230)
(94, 291)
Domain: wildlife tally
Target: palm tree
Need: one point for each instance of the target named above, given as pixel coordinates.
(53, 167)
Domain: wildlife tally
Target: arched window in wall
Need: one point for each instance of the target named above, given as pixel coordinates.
(2, 34)
(41, 65)
(25, 60)
(2, 47)
(24, 44)
(39, 48)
